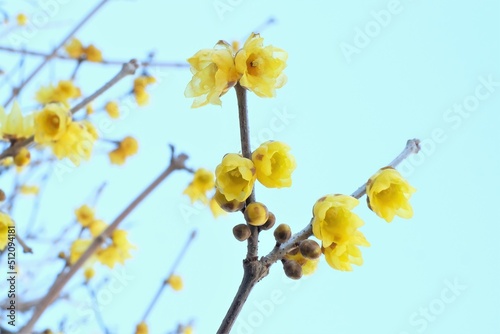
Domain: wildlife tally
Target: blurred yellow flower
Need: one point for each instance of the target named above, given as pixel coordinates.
(142, 328)
(175, 281)
(22, 158)
(5, 223)
(84, 215)
(76, 143)
(74, 48)
(127, 147)
(215, 208)
(203, 181)
(29, 190)
(389, 194)
(140, 93)
(51, 123)
(15, 125)
(93, 54)
(96, 227)
(235, 177)
(112, 109)
(261, 68)
(21, 19)
(88, 273)
(64, 91)
(78, 247)
(274, 164)
(214, 74)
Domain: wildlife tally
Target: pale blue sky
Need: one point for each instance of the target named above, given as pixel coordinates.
(348, 115)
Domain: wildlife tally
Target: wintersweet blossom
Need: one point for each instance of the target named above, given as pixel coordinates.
(126, 148)
(203, 182)
(5, 223)
(388, 194)
(15, 125)
(261, 68)
(51, 123)
(274, 164)
(235, 177)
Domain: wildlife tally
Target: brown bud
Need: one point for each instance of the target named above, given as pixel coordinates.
(270, 222)
(256, 214)
(241, 232)
(292, 269)
(310, 249)
(2, 195)
(228, 206)
(61, 255)
(282, 233)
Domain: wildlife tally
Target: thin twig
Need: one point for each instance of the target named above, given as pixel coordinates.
(16, 90)
(97, 312)
(147, 63)
(176, 163)
(26, 248)
(172, 271)
(127, 69)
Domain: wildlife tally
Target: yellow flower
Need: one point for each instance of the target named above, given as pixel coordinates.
(22, 19)
(203, 181)
(333, 220)
(118, 251)
(127, 147)
(89, 109)
(215, 208)
(84, 215)
(90, 129)
(235, 177)
(175, 281)
(261, 67)
(22, 158)
(93, 54)
(5, 223)
(78, 247)
(140, 84)
(96, 227)
(76, 143)
(74, 48)
(14, 125)
(29, 190)
(389, 194)
(142, 328)
(214, 74)
(89, 273)
(337, 227)
(308, 266)
(51, 123)
(112, 109)
(64, 91)
(187, 330)
(274, 164)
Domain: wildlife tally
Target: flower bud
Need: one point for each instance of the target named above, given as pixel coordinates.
(292, 269)
(241, 232)
(270, 222)
(256, 214)
(2, 196)
(310, 249)
(22, 157)
(282, 233)
(228, 206)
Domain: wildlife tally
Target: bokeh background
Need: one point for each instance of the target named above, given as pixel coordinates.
(358, 88)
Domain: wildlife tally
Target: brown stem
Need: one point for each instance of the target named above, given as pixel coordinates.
(16, 90)
(104, 62)
(254, 271)
(176, 163)
(127, 69)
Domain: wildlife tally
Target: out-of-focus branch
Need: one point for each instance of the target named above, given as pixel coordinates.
(104, 62)
(80, 24)
(177, 162)
(127, 69)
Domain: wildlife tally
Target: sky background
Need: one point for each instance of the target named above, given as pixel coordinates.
(356, 91)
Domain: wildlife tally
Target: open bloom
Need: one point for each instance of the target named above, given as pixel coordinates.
(84, 215)
(51, 123)
(213, 75)
(203, 181)
(76, 143)
(64, 91)
(337, 227)
(126, 148)
(75, 49)
(261, 67)
(274, 164)
(15, 125)
(388, 194)
(235, 177)
(118, 251)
